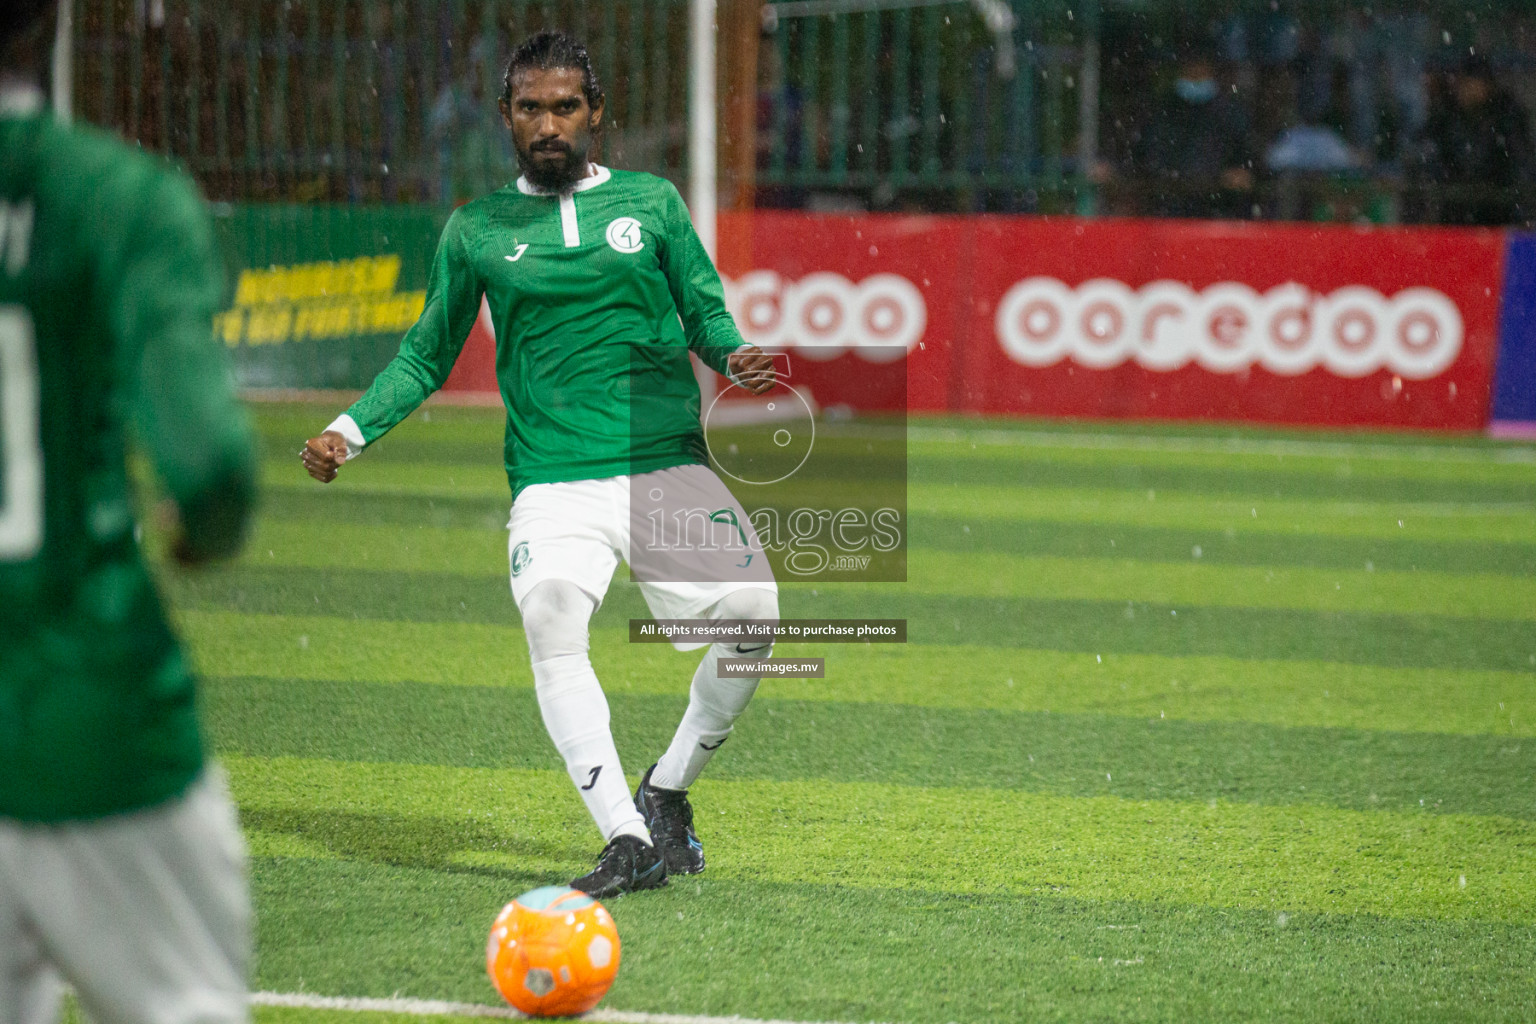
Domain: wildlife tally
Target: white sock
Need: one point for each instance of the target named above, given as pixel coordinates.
(555, 616)
(714, 703)
(576, 717)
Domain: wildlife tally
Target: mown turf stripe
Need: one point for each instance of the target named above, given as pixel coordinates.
(356, 508)
(873, 836)
(781, 739)
(723, 946)
(385, 478)
(1170, 441)
(1335, 479)
(1215, 445)
(1099, 628)
(1497, 522)
(983, 536)
(1456, 595)
(1474, 595)
(938, 676)
(1332, 479)
(1432, 521)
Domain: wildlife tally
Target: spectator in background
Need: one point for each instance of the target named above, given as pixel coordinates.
(1195, 155)
(1310, 154)
(1475, 150)
(470, 157)
(781, 113)
(1310, 145)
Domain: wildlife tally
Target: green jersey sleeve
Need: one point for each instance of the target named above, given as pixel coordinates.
(432, 345)
(181, 388)
(696, 289)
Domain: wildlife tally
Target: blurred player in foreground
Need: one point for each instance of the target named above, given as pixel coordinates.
(587, 271)
(121, 864)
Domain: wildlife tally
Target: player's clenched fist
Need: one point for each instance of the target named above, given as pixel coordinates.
(324, 455)
(752, 368)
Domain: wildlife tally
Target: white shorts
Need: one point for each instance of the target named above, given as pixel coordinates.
(686, 538)
(146, 914)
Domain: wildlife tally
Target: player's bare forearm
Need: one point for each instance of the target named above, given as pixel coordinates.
(323, 455)
(752, 369)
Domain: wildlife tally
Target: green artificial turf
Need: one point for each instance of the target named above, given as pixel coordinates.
(1193, 723)
(830, 952)
(1242, 546)
(475, 552)
(1075, 754)
(1400, 863)
(1097, 627)
(1277, 692)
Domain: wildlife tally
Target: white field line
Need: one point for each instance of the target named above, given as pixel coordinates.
(1522, 454)
(436, 1008)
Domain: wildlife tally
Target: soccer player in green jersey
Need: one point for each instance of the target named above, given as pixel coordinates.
(121, 864)
(598, 289)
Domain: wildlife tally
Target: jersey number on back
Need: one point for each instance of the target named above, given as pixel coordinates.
(21, 449)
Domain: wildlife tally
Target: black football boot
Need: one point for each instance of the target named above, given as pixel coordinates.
(626, 865)
(669, 816)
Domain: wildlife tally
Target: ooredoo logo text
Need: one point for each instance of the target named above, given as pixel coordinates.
(1225, 328)
(824, 315)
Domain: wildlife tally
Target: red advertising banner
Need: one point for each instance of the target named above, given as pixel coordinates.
(850, 298)
(1232, 321)
(1305, 324)
(1318, 324)
(475, 369)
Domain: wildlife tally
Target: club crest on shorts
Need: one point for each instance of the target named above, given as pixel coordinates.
(520, 558)
(624, 235)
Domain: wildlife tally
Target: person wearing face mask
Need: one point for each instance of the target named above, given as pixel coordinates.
(1194, 157)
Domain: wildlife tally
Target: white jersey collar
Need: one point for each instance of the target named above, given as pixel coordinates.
(20, 99)
(596, 176)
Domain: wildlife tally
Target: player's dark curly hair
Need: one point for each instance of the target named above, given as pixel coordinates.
(16, 16)
(546, 51)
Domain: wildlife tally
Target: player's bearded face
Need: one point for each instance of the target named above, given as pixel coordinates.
(554, 163)
(552, 127)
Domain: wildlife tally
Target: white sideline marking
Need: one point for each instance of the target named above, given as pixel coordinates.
(436, 1008)
(1224, 445)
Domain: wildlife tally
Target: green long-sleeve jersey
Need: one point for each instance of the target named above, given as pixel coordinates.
(596, 297)
(108, 286)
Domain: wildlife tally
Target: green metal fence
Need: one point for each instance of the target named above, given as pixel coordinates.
(391, 100)
(892, 104)
(924, 98)
(395, 100)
